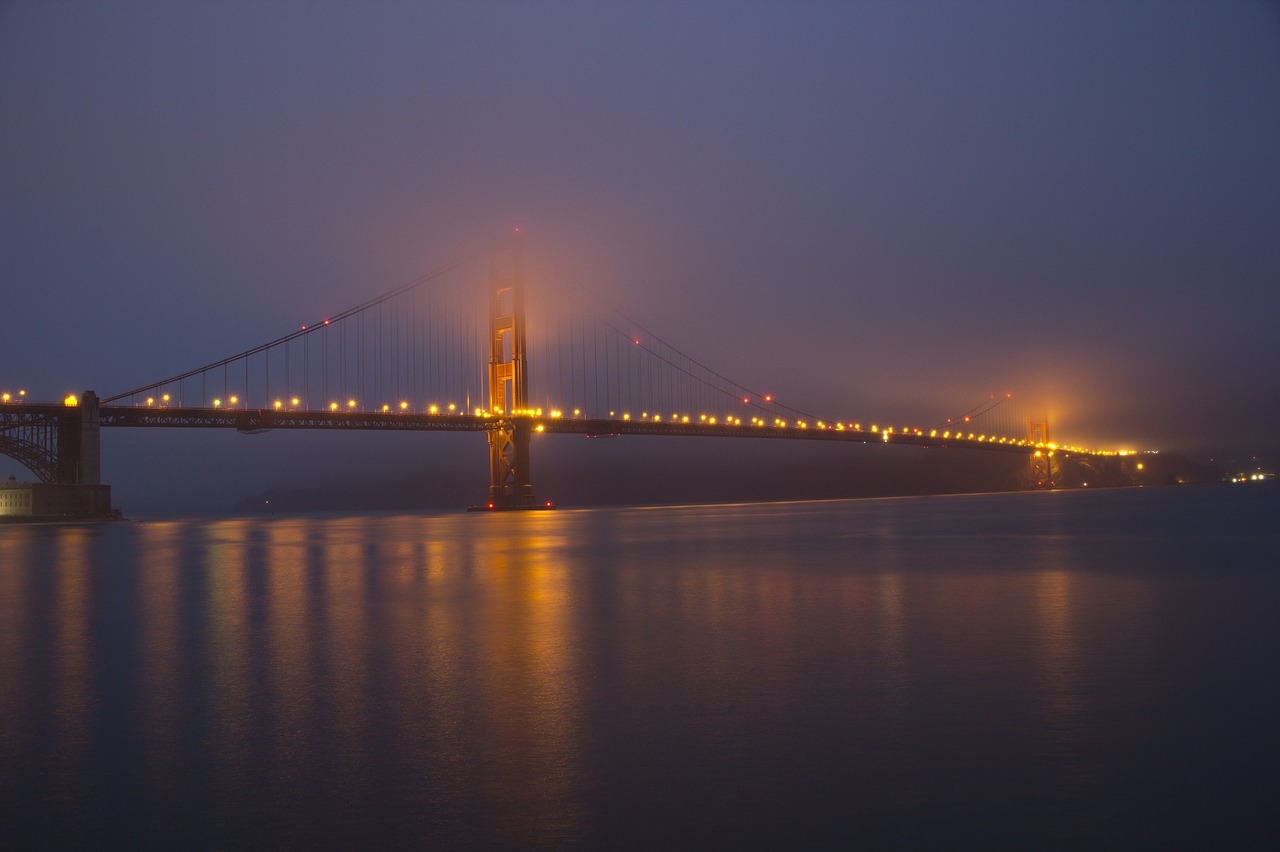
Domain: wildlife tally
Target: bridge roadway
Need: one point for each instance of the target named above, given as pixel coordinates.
(261, 420)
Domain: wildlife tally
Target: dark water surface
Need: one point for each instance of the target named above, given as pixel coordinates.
(1026, 670)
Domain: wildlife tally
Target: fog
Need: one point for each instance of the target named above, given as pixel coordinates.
(882, 210)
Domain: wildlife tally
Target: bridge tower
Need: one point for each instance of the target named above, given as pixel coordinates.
(1042, 474)
(509, 485)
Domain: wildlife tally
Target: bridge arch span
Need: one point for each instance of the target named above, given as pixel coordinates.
(40, 459)
(58, 442)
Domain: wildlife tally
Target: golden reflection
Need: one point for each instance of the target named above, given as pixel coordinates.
(160, 598)
(346, 641)
(1077, 617)
(890, 642)
(286, 648)
(419, 666)
(1058, 655)
(15, 578)
(72, 655)
(529, 647)
(365, 645)
(230, 654)
(444, 647)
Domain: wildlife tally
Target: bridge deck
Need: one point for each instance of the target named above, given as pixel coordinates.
(259, 420)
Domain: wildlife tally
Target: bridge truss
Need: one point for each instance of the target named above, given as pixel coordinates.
(56, 442)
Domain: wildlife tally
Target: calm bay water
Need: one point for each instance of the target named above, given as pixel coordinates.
(1034, 670)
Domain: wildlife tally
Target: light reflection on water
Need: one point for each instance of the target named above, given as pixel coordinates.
(622, 677)
(1059, 658)
(72, 658)
(16, 639)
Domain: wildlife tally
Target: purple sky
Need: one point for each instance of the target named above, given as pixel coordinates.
(870, 207)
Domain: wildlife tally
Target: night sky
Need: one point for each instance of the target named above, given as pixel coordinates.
(895, 208)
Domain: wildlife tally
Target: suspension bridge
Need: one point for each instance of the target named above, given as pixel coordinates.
(462, 349)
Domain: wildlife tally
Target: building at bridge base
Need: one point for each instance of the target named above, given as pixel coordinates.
(53, 501)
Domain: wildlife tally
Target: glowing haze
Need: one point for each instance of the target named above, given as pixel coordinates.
(874, 209)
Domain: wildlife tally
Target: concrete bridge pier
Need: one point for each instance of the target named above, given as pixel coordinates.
(61, 445)
(79, 458)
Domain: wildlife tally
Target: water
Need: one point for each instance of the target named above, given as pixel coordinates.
(1030, 670)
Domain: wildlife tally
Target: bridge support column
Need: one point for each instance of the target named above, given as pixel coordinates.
(79, 454)
(1042, 465)
(509, 483)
